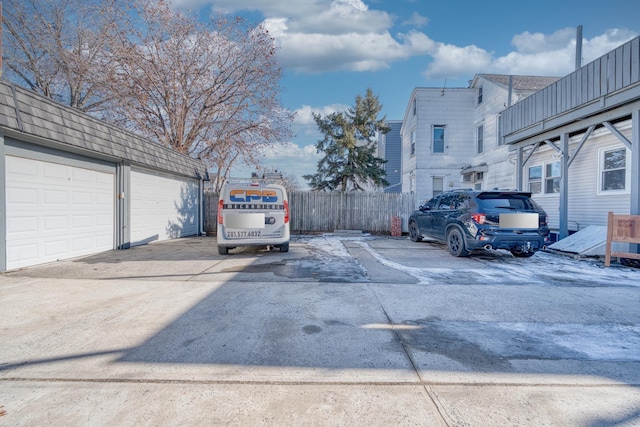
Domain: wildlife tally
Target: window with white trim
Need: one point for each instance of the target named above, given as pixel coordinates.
(535, 179)
(552, 178)
(480, 139)
(413, 142)
(438, 139)
(438, 185)
(613, 167)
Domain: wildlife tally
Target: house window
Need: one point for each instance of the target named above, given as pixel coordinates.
(480, 95)
(499, 131)
(480, 138)
(415, 107)
(438, 139)
(438, 185)
(552, 178)
(413, 142)
(479, 176)
(535, 179)
(614, 165)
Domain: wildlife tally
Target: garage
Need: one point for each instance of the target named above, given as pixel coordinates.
(56, 211)
(72, 185)
(162, 207)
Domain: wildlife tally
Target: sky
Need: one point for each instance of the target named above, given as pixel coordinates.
(333, 50)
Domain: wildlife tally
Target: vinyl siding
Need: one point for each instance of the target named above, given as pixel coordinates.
(587, 206)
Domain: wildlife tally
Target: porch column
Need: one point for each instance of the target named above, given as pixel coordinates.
(635, 163)
(564, 186)
(635, 170)
(519, 166)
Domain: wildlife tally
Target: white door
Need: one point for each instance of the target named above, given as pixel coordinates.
(162, 207)
(56, 211)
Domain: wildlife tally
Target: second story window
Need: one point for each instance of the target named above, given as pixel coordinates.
(480, 95)
(438, 139)
(480, 138)
(413, 142)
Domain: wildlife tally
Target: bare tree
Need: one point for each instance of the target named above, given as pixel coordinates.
(209, 90)
(57, 47)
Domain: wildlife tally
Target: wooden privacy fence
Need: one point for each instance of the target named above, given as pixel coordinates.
(328, 211)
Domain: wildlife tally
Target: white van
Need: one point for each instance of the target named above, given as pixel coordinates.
(253, 214)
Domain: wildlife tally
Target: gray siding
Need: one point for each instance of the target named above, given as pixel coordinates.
(23, 112)
(584, 89)
(587, 205)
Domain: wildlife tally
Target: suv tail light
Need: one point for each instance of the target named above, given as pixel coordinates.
(479, 218)
(220, 205)
(543, 220)
(286, 212)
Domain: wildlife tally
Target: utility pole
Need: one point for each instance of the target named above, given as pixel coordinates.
(579, 47)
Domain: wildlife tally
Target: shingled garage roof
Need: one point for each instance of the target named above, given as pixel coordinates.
(25, 112)
(521, 82)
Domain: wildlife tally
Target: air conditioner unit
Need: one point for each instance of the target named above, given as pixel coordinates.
(467, 177)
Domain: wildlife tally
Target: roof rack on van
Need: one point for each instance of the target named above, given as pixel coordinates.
(267, 177)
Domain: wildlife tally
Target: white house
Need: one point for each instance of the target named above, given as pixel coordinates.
(577, 141)
(574, 142)
(451, 139)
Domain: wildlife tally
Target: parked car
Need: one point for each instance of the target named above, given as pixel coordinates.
(468, 220)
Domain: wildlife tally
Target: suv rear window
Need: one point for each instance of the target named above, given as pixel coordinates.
(506, 201)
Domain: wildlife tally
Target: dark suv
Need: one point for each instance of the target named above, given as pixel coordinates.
(468, 220)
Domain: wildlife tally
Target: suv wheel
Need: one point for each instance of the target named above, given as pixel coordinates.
(455, 243)
(414, 233)
(223, 250)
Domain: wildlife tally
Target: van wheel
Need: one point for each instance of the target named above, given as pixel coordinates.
(284, 247)
(414, 233)
(455, 243)
(223, 250)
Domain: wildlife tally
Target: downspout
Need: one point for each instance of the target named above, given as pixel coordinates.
(202, 207)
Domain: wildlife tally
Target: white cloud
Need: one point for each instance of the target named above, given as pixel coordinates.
(304, 115)
(536, 54)
(347, 51)
(416, 20)
(316, 36)
(455, 62)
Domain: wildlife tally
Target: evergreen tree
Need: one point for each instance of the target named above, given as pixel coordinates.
(349, 146)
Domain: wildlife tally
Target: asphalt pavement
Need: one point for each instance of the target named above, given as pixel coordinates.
(364, 331)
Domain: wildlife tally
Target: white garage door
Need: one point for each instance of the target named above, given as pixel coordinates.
(162, 207)
(56, 211)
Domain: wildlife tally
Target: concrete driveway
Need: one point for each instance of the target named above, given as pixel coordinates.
(338, 331)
